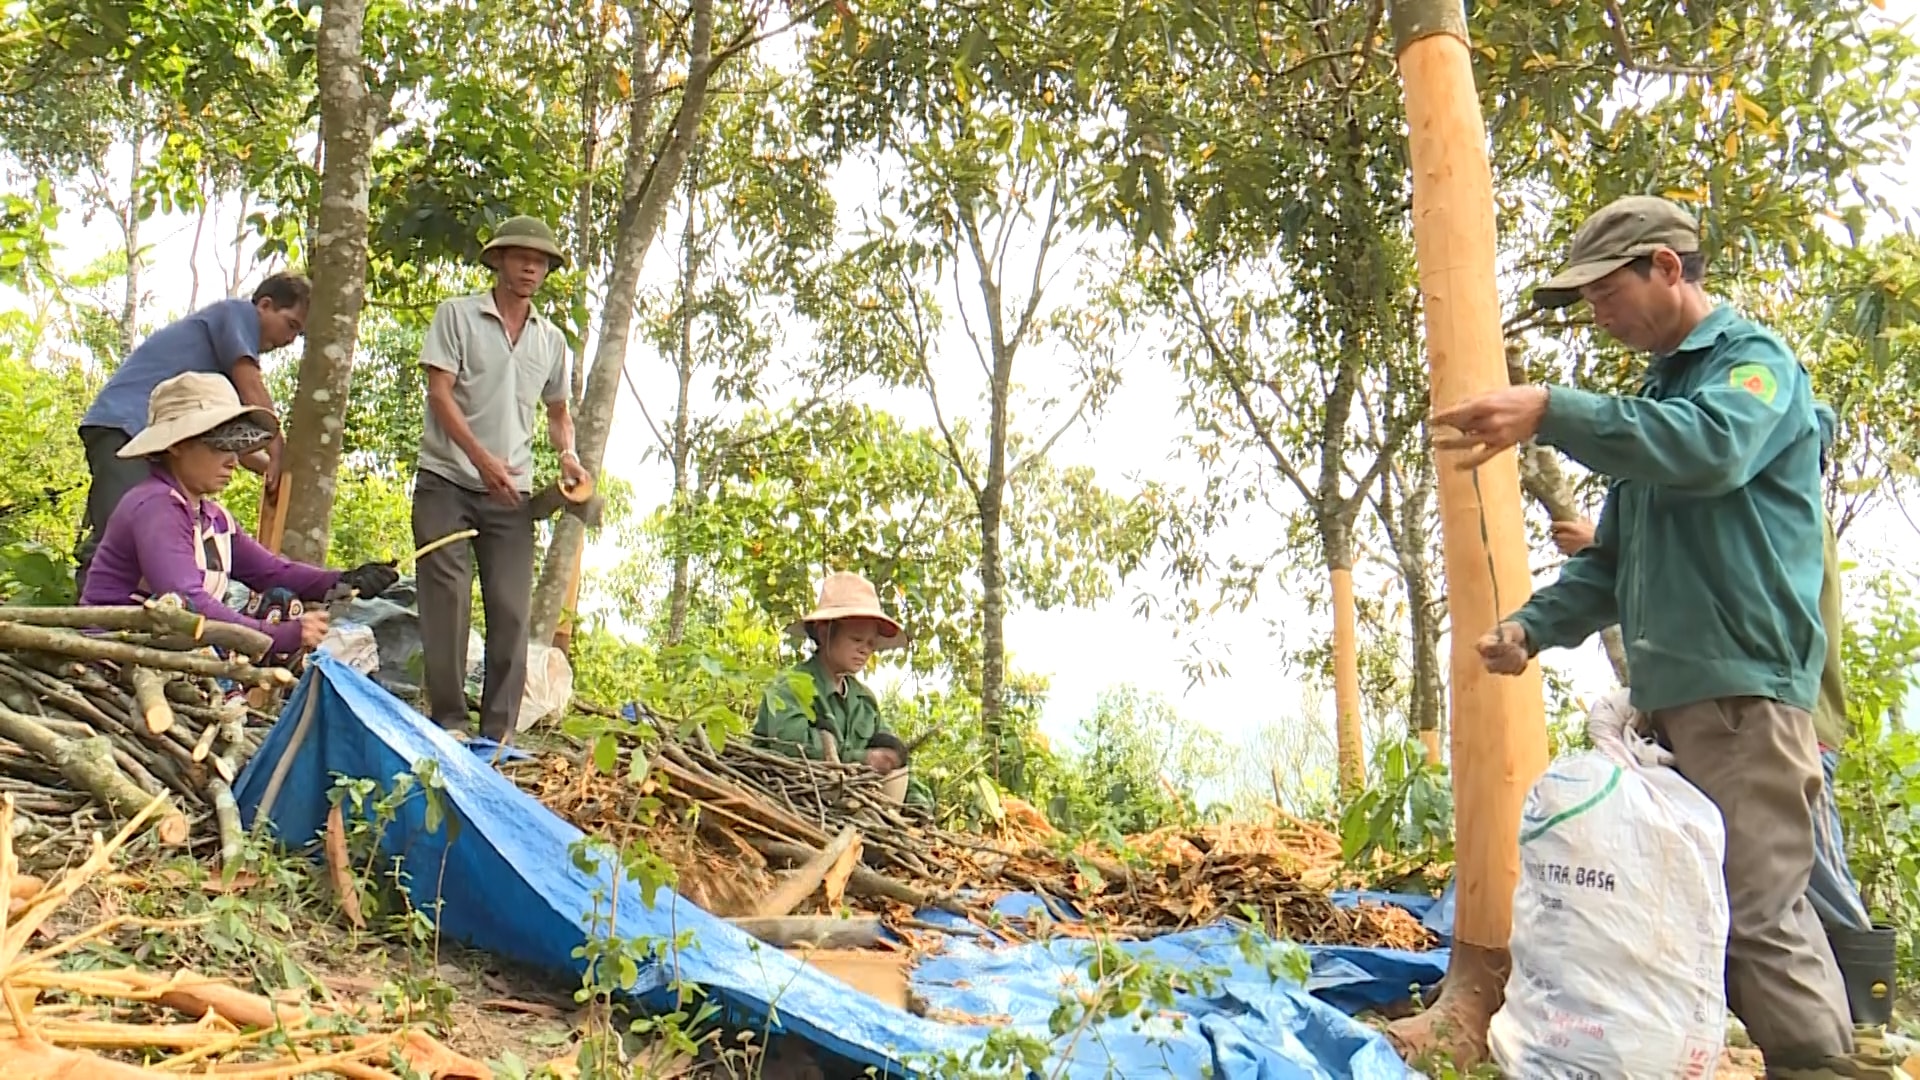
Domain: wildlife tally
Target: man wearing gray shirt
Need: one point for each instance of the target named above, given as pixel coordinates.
(491, 362)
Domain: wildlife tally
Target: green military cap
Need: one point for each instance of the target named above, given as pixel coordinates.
(1622, 231)
(524, 232)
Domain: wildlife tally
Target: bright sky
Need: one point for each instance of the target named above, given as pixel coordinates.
(1081, 651)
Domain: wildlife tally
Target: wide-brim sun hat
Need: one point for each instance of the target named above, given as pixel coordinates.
(527, 232)
(189, 406)
(850, 596)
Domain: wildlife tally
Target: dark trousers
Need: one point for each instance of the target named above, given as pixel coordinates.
(111, 478)
(444, 583)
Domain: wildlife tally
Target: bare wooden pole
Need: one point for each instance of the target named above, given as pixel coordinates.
(1498, 730)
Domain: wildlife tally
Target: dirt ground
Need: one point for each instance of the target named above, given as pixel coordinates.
(474, 1004)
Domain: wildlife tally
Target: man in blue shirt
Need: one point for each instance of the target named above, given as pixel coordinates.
(226, 338)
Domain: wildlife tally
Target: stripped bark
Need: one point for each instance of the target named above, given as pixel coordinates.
(80, 646)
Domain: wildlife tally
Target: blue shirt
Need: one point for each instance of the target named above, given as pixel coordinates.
(210, 340)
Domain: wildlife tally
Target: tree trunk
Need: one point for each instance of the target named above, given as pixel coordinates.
(1541, 478)
(317, 418)
(681, 583)
(583, 193)
(992, 505)
(993, 619)
(583, 258)
(1403, 515)
(130, 233)
(1422, 613)
(1499, 735)
(193, 253)
(645, 188)
(238, 271)
(680, 452)
(1336, 539)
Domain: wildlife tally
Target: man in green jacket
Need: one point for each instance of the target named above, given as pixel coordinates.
(1708, 555)
(840, 720)
(1831, 888)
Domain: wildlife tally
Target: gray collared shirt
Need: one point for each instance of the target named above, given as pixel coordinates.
(498, 385)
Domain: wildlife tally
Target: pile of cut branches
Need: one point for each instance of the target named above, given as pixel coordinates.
(104, 708)
(774, 810)
(58, 1023)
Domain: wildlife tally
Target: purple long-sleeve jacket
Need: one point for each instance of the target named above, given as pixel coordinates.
(157, 543)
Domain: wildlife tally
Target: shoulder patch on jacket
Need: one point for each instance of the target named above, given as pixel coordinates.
(1755, 379)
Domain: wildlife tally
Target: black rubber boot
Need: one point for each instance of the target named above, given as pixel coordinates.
(1866, 966)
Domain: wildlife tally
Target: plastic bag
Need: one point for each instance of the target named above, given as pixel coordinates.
(549, 685)
(549, 680)
(1619, 928)
(353, 645)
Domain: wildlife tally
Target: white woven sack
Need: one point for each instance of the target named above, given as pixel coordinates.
(1619, 928)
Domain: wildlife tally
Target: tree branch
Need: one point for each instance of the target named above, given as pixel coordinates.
(1396, 436)
(966, 323)
(1623, 49)
(921, 343)
(1047, 446)
(1222, 363)
(1040, 262)
(747, 41)
(627, 377)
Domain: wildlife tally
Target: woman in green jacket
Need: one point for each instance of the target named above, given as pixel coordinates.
(840, 720)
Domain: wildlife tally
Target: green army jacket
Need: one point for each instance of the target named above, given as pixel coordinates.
(787, 726)
(792, 728)
(1708, 548)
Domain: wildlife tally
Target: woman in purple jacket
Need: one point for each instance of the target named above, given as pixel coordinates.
(169, 536)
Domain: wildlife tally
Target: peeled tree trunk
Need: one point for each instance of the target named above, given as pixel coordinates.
(317, 420)
(1346, 660)
(1499, 734)
(647, 183)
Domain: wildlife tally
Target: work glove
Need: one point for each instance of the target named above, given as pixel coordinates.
(1610, 727)
(829, 745)
(370, 579)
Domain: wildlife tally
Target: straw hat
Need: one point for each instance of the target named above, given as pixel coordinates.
(527, 232)
(190, 405)
(850, 596)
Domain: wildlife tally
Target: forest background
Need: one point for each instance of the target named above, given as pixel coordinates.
(1089, 332)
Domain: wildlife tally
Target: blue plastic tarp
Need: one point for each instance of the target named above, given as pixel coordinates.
(1235, 1021)
(501, 871)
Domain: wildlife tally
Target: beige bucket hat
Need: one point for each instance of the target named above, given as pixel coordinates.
(188, 406)
(850, 596)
